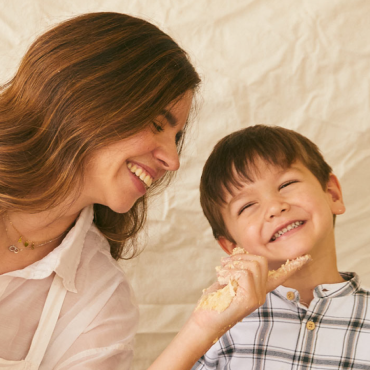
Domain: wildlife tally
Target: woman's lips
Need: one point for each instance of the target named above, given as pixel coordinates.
(140, 186)
(140, 173)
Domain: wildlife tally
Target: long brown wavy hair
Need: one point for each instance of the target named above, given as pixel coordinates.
(87, 83)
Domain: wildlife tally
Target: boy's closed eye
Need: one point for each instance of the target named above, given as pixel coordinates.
(282, 186)
(287, 183)
(244, 207)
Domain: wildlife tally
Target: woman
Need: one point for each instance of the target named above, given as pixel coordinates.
(90, 125)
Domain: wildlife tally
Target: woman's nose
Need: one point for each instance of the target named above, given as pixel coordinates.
(168, 156)
(276, 208)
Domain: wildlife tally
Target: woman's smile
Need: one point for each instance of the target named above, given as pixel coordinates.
(141, 173)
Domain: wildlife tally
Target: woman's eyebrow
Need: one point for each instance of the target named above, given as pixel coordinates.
(172, 120)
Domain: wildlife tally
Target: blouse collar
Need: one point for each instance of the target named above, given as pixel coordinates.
(64, 259)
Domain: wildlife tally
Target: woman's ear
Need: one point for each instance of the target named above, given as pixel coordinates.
(336, 199)
(226, 245)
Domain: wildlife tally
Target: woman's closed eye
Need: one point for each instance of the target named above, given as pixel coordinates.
(157, 126)
(179, 136)
(285, 184)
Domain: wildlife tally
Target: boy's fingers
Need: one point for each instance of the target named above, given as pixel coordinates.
(246, 285)
(244, 282)
(278, 277)
(247, 261)
(211, 289)
(254, 267)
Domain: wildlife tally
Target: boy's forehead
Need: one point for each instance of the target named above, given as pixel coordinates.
(256, 171)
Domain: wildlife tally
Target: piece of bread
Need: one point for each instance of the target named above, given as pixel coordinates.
(288, 266)
(222, 298)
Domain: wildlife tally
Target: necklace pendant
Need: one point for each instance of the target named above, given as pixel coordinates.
(14, 249)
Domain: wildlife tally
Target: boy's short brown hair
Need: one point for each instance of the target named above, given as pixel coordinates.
(233, 161)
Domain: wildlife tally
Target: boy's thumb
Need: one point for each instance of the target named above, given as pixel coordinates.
(278, 277)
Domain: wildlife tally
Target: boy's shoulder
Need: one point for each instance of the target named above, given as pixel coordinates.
(352, 285)
(363, 292)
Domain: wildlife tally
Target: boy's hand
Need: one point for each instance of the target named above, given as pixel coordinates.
(250, 278)
(253, 282)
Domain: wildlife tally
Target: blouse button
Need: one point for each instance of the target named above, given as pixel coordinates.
(310, 325)
(290, 296)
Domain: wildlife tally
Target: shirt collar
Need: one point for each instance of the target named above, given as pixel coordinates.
(64, 259)
(348, 287)
(69, 258)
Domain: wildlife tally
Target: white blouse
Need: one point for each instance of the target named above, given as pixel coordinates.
(99, 315)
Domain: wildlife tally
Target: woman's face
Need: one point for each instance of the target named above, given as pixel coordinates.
(119, 174)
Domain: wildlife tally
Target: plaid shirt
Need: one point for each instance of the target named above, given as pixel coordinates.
(332, 333)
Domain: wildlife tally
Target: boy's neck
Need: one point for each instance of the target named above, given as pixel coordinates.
(321, 270)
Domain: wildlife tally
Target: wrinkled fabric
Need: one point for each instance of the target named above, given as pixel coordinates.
(303, 65)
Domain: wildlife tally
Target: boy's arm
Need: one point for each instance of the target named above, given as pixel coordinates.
(204, 327)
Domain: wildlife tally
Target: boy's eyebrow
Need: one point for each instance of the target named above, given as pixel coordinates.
(172, 120)
(236, 198)
(246, 191)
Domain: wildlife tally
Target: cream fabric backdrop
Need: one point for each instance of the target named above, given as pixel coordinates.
(304, 65)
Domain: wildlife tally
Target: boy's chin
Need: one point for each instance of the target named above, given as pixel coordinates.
(274, 265)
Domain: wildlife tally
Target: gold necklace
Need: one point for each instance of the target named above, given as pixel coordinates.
(27, 243)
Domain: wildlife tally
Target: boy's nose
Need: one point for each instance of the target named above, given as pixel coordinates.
(276, 208)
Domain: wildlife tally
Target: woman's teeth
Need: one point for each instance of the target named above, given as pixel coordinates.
(281, 232)
(141, 174)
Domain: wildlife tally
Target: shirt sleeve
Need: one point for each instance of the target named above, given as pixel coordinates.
(117, 356)
(209, 361)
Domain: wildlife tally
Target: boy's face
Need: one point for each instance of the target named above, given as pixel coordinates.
(283, 214)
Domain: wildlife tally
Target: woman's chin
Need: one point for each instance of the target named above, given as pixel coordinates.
(123, 207)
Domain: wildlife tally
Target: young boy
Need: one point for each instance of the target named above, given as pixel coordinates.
(270, 191)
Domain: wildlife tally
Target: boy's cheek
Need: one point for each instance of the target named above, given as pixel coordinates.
(253, 248)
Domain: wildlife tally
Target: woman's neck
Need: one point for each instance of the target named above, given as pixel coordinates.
(45, 230)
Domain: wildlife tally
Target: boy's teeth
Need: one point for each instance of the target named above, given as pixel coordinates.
(141, 174)
(292, 226)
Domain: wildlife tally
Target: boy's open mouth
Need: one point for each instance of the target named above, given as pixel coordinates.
(285, 229)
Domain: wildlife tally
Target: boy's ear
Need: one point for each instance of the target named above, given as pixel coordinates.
(334, 190)
(226, 245)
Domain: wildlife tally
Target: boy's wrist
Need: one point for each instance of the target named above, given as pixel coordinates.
(205, 334)
(186, 348)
